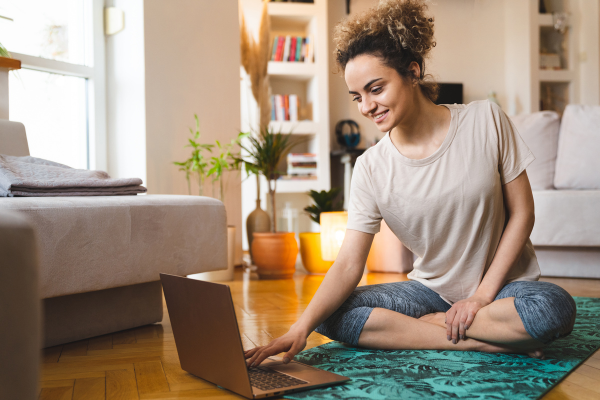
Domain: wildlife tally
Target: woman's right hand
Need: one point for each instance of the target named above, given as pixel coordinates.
(292, 342)
(341, 279)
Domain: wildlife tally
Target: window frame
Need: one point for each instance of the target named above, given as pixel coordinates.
(95, 83)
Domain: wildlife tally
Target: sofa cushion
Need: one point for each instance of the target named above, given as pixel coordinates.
(95, 243)
(540, 133)
(578, 161)
(566, 218)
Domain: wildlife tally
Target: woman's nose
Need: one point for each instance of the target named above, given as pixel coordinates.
(367, 106)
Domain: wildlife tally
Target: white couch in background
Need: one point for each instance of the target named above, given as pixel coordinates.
(100, 257)
(565, 178)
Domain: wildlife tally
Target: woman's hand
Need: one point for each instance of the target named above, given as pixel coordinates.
(461, 316)
(292, 342)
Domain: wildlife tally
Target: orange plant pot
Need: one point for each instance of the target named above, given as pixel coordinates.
(388, 254)
(275, 254)
(310, 252)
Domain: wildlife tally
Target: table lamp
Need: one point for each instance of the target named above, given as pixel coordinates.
(333, 230)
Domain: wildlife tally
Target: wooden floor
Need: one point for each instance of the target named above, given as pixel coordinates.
(142, 363)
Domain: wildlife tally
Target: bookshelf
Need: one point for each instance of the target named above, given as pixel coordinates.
(543, 64)
(310, 82)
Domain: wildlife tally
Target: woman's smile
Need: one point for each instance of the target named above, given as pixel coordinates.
(378, 118)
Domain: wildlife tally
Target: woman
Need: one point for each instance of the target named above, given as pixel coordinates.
(450, 182)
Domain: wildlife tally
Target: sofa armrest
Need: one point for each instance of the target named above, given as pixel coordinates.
(20, 339)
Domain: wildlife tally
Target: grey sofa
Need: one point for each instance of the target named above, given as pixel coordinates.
(100, 257)
(20, 335)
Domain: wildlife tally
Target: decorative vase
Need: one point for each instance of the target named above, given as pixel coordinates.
(257, 221)
(388, 254)
(227, 274)
(275, 254)
(310, 252)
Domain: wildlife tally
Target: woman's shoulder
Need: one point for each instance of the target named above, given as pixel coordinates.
(373, 153)
(480, 116)
(481, 107)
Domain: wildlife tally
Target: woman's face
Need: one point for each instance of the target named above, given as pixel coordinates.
(381, 93)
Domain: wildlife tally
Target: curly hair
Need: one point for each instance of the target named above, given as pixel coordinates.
(397, 31)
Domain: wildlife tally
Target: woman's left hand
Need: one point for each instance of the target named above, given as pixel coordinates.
(460, 317)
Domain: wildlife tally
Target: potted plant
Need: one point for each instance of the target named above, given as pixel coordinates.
(310, 242)
(225, 160)
(274, 253)
(199, 166)
(255, 56)
(195, 166)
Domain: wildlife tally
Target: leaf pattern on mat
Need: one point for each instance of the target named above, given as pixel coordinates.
(418, 374)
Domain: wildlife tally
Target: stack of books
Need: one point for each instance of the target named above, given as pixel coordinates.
(284, 107)
(292, 48)
(302, 166)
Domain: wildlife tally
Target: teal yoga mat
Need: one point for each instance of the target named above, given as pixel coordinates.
(432, 374)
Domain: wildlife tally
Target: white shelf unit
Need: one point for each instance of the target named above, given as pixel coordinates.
(528, 33)
(308, 80)
(292, 70)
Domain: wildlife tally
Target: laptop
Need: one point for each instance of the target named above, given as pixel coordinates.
(209, 345)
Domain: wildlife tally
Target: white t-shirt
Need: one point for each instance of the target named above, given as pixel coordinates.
(447, 208)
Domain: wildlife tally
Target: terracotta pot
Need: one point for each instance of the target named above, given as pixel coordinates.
(310, 252)
(275, 254)
(388, 254)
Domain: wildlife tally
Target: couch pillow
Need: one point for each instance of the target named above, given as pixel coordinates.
(578, 160)
(540, 133)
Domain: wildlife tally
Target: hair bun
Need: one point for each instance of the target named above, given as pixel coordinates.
(407, 24)
(398, 31)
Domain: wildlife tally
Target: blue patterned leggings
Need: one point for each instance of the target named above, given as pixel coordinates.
(547, 310)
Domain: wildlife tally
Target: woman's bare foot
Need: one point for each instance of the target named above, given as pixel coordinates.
(439, 319)
(537, 353)
(502, 348)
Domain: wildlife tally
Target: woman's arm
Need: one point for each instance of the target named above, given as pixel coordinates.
(520, 209)
(341, 279)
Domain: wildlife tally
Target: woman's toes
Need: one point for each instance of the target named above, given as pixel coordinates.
(537, 353)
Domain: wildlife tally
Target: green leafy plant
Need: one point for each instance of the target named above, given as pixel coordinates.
(196, 165)
(324, 202)
(265, 149)
(225, 160)
(4, 52)
(200, 166)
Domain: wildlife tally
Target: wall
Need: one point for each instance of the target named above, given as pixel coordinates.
(470, 50)
(190, 64)
(589, 56)
(125, 94)
(521, 40)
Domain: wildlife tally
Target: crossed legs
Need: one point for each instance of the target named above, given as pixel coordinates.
(406, 315)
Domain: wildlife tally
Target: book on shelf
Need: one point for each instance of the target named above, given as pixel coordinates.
(292, 49)
(302, 165)
(284, 107)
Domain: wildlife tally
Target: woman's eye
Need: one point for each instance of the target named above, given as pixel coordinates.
(376, 90)
(356, 99)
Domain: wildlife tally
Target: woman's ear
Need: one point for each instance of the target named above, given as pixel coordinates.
(415, 71)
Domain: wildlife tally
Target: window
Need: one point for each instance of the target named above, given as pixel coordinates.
(59, 94)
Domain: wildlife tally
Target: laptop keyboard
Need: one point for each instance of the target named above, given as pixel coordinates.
(269, 379)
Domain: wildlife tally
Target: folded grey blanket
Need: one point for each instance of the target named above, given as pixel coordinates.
(30, 176)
